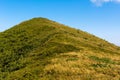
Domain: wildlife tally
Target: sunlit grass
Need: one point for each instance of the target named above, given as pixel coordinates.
(84, 67)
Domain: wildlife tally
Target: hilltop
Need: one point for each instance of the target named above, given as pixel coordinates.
(41, 49)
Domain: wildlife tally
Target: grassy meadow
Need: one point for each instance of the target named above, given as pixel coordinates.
(41, 49)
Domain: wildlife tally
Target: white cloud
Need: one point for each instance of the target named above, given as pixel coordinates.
(100, 2)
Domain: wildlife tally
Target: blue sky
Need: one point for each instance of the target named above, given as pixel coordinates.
(98, 17)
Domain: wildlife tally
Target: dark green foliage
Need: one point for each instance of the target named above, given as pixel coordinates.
(104, 60)
(99, 65)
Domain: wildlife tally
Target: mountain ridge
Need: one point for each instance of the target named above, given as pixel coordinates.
(38, 47)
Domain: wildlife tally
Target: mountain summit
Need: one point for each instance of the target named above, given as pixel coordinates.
(41, 49)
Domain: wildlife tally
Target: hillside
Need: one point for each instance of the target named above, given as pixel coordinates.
(41, 49)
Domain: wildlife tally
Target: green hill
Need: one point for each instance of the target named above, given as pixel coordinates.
(41, 49)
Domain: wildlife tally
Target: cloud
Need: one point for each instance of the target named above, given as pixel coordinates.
(100, 2)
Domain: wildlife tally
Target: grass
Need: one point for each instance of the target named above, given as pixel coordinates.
(103, 60)
(41, 49)
(82, 68)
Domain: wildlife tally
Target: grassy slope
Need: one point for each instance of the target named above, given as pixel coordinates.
(40, 49)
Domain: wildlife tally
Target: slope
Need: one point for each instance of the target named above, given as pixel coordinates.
(41, 49)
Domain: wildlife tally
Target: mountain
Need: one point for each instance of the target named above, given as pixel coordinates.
(41, 49)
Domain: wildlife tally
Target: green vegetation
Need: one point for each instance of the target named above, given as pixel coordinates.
(41, 49)
(104, 60)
